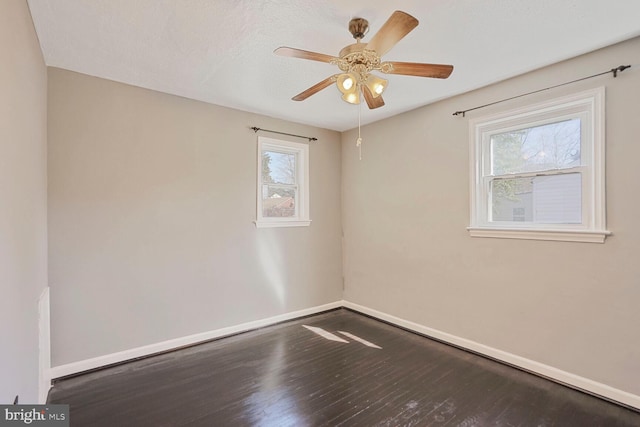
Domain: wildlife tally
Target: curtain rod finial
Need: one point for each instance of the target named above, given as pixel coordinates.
(620, 69)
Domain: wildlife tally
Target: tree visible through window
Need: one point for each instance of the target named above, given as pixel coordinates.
(540, 169)
(547, 150)
(279, 186)
(283, 183)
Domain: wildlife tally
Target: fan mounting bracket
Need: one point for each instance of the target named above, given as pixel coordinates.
(358, 27)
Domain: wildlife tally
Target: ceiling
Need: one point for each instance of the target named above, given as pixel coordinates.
(221, 51)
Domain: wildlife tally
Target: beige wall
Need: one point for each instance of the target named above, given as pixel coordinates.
(152, 198)
(573, 306)
(151, 203)
(23, 200)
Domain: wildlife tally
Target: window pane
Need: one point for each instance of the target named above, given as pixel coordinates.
(278, 201)
(538, 148)
(558, 199)
(278, 168)
(512, 199)
(552, 199)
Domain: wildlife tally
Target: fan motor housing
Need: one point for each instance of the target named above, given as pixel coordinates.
(352, 48)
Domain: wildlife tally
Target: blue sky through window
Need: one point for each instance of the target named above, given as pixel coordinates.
(282, 167)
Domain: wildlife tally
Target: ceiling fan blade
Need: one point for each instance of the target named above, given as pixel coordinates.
(304, 54)
(397, 26)
(315, 89)
(371, 101)
(438, 71)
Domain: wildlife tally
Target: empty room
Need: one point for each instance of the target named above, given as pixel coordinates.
(319, 213)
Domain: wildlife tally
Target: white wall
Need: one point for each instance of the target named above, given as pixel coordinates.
(152, 200)
(23, 200)
(572, 306)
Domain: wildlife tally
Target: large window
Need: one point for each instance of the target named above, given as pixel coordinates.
(538, 172)
(283, 183)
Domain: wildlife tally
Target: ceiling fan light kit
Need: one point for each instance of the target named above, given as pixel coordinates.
(348, 86)
(357, 61)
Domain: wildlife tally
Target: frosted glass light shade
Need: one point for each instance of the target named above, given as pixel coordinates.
(349, 87)
(352, 97)
(346, 82)
(376, 85)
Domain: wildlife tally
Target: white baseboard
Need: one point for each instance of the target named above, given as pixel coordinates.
(577, 381)
(527, 364)
(121, 356)
(44, 347)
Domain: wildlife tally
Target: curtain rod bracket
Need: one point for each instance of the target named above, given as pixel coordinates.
(619, 69)
(256, 129)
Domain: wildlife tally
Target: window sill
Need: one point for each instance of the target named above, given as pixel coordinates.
(292, 223)
(554, 235)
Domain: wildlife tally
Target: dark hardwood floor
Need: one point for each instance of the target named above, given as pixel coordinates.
(288, 375)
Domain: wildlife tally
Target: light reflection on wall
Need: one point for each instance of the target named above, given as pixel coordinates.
(272, 263)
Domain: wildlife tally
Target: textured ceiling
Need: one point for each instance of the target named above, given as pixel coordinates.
(221, 51)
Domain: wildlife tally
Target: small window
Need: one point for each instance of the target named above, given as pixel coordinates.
(538, 172)
(283, 183)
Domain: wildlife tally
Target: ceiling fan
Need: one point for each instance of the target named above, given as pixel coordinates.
(358, 60)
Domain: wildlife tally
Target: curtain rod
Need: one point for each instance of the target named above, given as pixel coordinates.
(310, 138)
(615, 72)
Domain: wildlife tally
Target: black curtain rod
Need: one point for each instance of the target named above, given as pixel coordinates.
(615, 72)
(310, 138)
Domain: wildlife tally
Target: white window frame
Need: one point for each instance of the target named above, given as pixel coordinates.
(589, 106)
(301, 219)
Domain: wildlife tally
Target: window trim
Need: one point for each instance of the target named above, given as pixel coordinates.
(588, 105)
(302, 181)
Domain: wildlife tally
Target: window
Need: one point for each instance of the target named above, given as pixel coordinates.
(283, 183)
(538, 172)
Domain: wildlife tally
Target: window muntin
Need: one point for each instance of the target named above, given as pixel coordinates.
(540, 169)
(283, 184)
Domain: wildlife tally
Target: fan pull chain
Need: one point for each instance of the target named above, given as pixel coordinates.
(359, 140)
